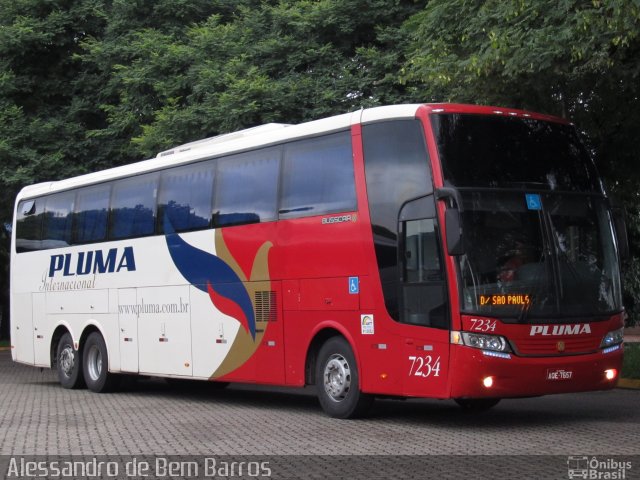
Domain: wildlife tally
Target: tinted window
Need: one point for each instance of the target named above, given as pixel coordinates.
(558, 261)
(58, 220)
(397, 170)
(92, 209)
(424, 299)
(186, 197)
(29, 225)
(318, 177)
(133, 207)
(493, 151)
(247, 188)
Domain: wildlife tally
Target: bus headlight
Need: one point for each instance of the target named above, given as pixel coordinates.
(495, 343)
(612, 338)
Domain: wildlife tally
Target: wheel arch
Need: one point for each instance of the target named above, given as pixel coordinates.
(88, 330)
(319, 337)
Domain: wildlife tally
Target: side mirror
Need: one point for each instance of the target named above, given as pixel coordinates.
(453, 220)
(620, 227)
(453, 231)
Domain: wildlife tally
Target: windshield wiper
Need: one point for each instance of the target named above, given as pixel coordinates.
(524, 312)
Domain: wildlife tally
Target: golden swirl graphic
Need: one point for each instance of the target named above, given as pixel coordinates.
(244, 346)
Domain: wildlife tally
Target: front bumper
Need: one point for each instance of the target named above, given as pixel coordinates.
(530, 376)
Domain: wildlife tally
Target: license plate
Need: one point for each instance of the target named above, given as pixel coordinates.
(559, 374)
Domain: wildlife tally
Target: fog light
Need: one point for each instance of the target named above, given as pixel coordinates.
(611, 374)
(487, 382)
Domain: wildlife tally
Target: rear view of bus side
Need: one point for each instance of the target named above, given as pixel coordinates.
(442, 251)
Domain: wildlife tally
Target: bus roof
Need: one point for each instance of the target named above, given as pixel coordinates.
(264, 135)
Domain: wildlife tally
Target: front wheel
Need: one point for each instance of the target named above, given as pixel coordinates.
(338, 382)
(68, 363)
(95, 363)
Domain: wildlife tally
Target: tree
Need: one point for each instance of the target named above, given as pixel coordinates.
(254, 63)
(42, 117)
(41, 120)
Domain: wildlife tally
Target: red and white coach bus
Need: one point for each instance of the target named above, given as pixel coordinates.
(442, 251)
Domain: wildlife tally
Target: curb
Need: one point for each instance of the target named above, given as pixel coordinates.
(5, 349)
(629, 383)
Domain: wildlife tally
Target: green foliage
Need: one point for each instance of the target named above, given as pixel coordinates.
(40, 118)
(631, 366)
(513, 42)
(244, 65)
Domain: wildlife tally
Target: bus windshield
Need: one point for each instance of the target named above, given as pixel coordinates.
(553, 259)
(538, 237)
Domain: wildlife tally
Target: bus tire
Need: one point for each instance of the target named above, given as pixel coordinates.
(338, 381)
(69, 363)
(476, 404)
(95, 364)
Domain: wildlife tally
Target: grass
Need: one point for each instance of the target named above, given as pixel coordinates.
(4, 343)
(631, 365)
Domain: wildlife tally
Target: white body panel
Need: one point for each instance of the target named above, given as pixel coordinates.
(152, 320)
(128, 325)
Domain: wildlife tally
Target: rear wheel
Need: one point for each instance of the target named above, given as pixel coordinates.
(95, 362)
(477, 404)
(338, 381)
(68, 363)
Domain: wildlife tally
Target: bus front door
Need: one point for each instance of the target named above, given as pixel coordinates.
(424, 310)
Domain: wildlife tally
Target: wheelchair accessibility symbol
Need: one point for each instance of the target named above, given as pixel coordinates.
(354, 285)
(534, 202)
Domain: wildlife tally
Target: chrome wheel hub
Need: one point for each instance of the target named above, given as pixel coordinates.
(67, 360)
(94, 362)
(337, 377)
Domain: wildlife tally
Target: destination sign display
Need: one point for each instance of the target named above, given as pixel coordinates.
(504, 300)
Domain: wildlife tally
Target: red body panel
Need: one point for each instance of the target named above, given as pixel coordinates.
(310, 265)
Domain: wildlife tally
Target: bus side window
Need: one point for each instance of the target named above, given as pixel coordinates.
(133, 207)
(29, 225)
(58, 219)
(246, 188)
(185, 197)
(92, 211)
(318, 177)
